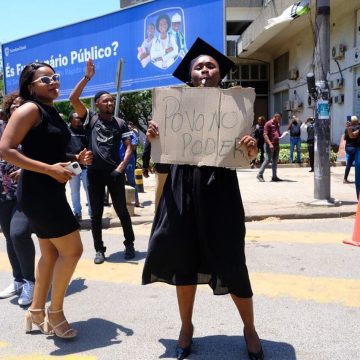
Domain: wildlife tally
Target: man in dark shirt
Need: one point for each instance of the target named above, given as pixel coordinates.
(295, 138)
(259, 136)
(105, 132)
(271, 147)
(78, 142)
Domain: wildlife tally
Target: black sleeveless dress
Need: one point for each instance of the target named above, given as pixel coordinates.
(41, 197)
(198, 232)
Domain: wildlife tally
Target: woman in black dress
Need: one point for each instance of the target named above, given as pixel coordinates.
(38, 127)
(199, 227)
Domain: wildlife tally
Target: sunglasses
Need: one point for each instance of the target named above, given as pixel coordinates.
(48, 79)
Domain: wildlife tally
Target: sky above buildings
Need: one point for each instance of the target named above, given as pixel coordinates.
(22, 18)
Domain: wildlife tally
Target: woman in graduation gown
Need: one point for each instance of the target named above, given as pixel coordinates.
(199, 227)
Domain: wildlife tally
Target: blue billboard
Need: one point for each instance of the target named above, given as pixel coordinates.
(152, 39)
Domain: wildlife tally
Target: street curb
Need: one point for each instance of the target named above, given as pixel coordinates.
(141, 220)
(328, 215)
(304, 165)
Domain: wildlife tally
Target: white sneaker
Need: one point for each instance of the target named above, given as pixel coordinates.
(14, 288)
(27, 293)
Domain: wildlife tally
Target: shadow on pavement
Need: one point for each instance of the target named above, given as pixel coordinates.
(118, 257)
(93, 334)
(284, 180)
(147, 203)
(222, 347)
(76, 285)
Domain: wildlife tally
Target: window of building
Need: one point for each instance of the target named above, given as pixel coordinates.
(244, 72)
(266, 2)
(281, 68)
(280, 100)
(263, 72)
(250, 75)
(236, 27)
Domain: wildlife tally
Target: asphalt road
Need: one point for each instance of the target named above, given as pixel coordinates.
(307, 301)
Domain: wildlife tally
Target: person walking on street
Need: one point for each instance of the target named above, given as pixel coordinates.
(351, 146)
(355, 134)
(77, 143)
(259, 136)
(295, 138)
(15, 225)
(271, 147)
(105, 132)
(44, 136)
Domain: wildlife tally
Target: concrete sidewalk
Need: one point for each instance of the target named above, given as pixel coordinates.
(292, 198)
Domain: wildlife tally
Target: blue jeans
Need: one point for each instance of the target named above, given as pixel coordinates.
(270, 156)
(351, 153)
(130, 176)
(75, 192)
(295, 141)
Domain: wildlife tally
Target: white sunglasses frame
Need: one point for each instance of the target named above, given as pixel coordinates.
(49, 77)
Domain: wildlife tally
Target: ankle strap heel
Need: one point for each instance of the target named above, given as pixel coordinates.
(29, 322)
(69, 333)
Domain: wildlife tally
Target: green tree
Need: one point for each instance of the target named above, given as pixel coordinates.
(65, 107)
(137, 107)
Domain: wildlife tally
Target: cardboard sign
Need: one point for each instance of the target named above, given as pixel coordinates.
(202, 126)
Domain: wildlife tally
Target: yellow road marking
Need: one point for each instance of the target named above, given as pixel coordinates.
(319, 289)
(302, 237)
(3, 344)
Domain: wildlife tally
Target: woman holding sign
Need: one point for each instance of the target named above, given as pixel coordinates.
(199, 227)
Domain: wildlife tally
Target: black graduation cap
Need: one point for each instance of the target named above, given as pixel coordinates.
(201, 47)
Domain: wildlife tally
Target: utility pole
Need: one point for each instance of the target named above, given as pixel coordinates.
(322, 121)
(118, 81)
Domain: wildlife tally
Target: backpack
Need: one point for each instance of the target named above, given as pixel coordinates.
(95, 117)
(295, 130)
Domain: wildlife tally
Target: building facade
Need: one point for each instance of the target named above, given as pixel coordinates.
(276, 60)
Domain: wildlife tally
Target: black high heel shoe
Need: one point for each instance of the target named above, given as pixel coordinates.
(184, 352)
(254, 356)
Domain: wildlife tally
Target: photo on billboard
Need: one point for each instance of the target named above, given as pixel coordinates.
(164, 38)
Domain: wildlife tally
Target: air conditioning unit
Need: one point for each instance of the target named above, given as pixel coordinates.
(293, 74)
(352, 56)
(311, 102)
(296, 105)
(338, 51)
(339, 99)
(337, 84)
(287, 105)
